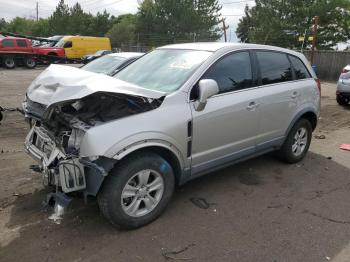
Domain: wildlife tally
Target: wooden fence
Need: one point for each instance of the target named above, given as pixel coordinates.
(330, 63)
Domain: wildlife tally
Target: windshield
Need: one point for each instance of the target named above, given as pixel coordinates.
(99, 52)
(163, 69)
(105, 64)
(60, 43)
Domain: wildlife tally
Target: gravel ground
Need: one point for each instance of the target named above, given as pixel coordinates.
(260, 210)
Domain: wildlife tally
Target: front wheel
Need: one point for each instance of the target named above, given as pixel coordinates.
(137, 190)
(297, 142)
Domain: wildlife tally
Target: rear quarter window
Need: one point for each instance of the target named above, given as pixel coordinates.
(274, 67)
(7, 43)
(299, 68)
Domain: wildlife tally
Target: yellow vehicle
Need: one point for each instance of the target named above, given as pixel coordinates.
(78, 46)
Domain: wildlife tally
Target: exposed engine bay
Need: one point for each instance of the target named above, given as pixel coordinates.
(57, 131)
(97, 108)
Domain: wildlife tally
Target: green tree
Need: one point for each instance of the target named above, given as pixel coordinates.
(20, 25)
(3, 25)
(123, 32)
(40, 28)
(168, 21)
(58, 21)
(146, 23)
(280, 23)
(79, 22)
(101, 23)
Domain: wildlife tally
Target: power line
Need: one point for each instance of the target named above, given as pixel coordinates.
(237, 2)
(92, 2)
(108, 4)
(234, 15)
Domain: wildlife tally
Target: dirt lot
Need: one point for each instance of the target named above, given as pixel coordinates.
(260, 210)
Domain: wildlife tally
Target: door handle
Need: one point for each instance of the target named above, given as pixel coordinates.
(295, 94)
(252, 106)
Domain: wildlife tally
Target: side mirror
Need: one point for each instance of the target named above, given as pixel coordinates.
(207, 88)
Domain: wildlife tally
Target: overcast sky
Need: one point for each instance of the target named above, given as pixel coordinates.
(232, 9)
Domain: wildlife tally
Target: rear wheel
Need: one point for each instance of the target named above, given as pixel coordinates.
(342, 101)
(53, 58)
(30, 62)
(137, 191)
(297, 142)
(9, 62)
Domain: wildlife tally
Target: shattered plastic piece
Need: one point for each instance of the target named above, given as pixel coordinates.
(57, 216)
(200, 202)
(173, 254)
(345, 147)
(61, 202)
(320, 136)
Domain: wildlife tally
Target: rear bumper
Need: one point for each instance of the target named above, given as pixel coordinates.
(344, 95)
(343, 86)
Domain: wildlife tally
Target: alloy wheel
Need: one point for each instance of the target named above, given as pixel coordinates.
(142, 193)
(299, 141)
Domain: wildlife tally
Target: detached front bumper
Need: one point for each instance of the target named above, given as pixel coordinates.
(56, 167)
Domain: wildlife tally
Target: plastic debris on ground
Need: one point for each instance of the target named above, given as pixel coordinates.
(345, 147)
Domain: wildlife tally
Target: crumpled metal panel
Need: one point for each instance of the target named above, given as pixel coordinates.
(60, 83)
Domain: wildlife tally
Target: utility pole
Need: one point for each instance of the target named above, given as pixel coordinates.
(314, 36)
(224, 27)
(37, 11)
(302, 46)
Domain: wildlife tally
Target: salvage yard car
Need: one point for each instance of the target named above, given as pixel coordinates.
(90, 57)
(112, 63)
(176, 113)
(343, 87)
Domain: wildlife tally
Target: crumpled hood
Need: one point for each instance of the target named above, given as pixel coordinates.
(60, 83)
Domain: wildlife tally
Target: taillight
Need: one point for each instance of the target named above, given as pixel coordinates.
(318, 82)
(345, 71)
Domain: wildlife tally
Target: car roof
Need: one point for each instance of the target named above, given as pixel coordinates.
(127, 54)
(215, 46)
(13, 38)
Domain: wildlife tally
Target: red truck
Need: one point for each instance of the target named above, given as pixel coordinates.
(15, 50)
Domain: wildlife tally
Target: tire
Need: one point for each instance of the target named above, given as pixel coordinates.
(342, 101)
(52, 58)
(30, 62)
(9, 62)
(290, 152)
(114, 200)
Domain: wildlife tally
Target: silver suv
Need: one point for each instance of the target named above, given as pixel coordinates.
(177, 113)
(343, 87)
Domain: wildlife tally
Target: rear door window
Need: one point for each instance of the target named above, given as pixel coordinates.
(299, 68)
(21, 43)
(7, 43)
(233, 72)
(274, 67)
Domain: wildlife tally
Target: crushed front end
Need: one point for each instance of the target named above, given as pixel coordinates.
(59, 168)
(57, 131)
(62, 105)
